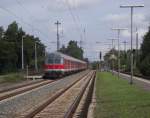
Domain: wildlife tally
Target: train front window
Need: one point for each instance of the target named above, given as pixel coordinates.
(57, 60)
(54, 59)
(50, 59)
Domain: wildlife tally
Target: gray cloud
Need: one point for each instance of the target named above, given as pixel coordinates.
(97, 16)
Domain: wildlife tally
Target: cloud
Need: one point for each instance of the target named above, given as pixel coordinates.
(62, 5)
(139, 19)
(115, 17)
(141, 33)
(126, 33)
(79, 3)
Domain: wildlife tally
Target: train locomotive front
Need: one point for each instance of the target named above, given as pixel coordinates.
(54, 65)
(58, 65)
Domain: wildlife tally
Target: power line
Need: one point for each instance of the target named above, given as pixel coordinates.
(22, 6)
(74, 19)
(29, 25)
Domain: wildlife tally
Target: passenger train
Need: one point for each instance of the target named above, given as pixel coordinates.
(58, 64)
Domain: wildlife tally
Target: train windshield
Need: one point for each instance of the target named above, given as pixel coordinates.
(53, 59)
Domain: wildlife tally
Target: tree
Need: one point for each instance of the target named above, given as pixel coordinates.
(73, 50)
(10, 49)
(1, 33)
(8, 57)
(111, 61)
(63, 49)
(11, 33)
(145, 55)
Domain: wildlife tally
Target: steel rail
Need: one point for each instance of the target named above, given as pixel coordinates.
(71, 110)
(19, 86)
(28, 88)
(32, 113)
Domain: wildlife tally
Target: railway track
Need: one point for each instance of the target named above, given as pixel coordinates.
(5, 94)
(64, 102)
(18, 86)
(14, 106)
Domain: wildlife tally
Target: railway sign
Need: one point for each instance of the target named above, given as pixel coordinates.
(100, 55)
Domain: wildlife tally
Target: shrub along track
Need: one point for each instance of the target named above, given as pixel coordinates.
(65, 102)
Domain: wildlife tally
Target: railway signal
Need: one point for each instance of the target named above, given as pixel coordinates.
(100, 55)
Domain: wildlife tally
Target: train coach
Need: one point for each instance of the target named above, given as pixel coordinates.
(58, 65)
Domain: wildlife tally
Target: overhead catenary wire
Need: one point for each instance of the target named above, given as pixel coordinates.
(24, 22)
(28, 11)
(74, 18)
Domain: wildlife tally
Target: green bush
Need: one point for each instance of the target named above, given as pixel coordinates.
(145, 66)
(13, 77)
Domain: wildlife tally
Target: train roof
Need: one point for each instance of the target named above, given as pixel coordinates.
(68, 57)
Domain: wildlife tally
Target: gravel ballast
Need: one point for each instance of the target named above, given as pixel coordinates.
(12, 107)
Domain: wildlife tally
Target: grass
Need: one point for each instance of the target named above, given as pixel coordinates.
(117, 99)
(13, 77)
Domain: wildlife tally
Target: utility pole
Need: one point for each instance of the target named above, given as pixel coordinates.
(125, 45)
(36, 66)
(45, 53)
(131, 7)
(22, 52)
(137, 40)
(112, 42)
(137, 47)
(125, 54)
(119, 30)
(100, 57)
(112, 54)
(58, 41)
(84, 34)
(81, 42)
(83, 39)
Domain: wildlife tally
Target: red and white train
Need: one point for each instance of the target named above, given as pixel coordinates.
(58, 64)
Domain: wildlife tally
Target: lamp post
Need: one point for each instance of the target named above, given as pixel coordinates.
(119, 30)
(132, 8)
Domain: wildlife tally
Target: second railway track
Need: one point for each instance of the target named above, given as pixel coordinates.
(20, 89)
(64, 103)
(15, 106)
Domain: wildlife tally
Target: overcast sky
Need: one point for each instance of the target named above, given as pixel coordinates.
(97, 17)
